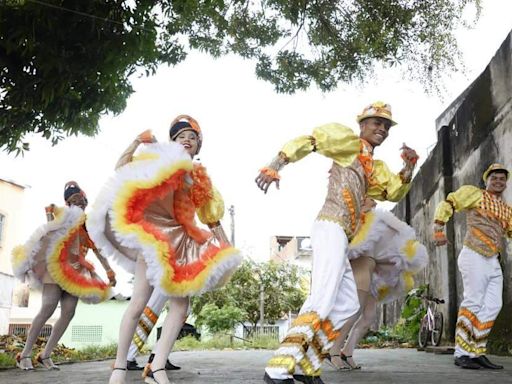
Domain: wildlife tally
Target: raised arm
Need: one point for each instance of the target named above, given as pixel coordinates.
(385, 185)
(127, 156)
(331, 140)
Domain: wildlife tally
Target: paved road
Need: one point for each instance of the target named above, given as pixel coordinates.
(383, 366)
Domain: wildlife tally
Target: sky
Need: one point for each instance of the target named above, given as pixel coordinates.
(244, 124)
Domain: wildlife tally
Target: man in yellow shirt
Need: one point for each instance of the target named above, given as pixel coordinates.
(353, 176)
(489, 220)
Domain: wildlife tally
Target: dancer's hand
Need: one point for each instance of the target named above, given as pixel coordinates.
(265, 179)
(440, 238)
(112, 278)
(409, 155)
(146, 137)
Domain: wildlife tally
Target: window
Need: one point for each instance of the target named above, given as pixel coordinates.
(2, 224)
(86, 333)
(21, 330)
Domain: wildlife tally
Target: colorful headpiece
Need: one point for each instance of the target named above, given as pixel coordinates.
(496, 167)
(377, 109)
(184, 123)
(72, 188)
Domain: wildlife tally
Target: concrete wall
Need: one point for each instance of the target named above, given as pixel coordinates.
(475, 131)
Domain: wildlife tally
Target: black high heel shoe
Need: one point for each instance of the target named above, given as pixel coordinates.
(328, 358)
(148, 374)
(345, 358)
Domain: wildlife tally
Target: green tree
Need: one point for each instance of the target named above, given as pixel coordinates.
(219, 319)
(281, 287)
(63, 63)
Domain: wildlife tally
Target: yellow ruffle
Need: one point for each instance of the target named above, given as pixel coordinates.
(364, 230)
(91, 292)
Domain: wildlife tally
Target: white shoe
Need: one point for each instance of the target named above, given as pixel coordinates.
(24, 363)
(46, 362)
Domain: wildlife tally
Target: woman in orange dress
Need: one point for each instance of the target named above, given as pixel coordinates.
(145, 218)
(54, 259)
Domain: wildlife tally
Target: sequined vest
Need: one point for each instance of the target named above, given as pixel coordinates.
(346, 192)
(487, 225)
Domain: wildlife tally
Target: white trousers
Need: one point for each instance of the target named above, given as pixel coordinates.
(332, 301)
(146, 323)
(482, 280)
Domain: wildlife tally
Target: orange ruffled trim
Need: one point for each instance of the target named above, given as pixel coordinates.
(347, 197)
(201, 191)
(438, 235)
(70, 279)
(366, 159)
(270, 172)
(184, 211)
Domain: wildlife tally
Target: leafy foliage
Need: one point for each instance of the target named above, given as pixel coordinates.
(65, 62)
(413, 311)
(281, 293)
(219, 319)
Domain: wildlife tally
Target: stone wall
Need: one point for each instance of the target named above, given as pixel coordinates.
(474, 131)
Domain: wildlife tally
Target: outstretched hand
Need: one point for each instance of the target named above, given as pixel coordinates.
(440, 239)
(409, 155)
(146, 137)
(264, 181)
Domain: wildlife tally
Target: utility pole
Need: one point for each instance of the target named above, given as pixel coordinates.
(262, 303)
(232, 214)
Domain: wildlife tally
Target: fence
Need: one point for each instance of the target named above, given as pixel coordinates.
(271, 331)
(22, 330)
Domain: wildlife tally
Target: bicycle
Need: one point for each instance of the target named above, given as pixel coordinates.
(431, 323)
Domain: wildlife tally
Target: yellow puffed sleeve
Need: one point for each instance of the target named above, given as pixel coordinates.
(466, 197)
(213, 210)
(385, 185)
(335, 141)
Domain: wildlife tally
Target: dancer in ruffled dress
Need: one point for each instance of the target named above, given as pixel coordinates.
(384, 255)
(54, 259)
(145, 218)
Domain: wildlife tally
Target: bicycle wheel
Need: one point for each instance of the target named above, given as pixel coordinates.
(423, 332)
(437, 330)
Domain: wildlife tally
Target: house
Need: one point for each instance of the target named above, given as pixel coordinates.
(11, 204)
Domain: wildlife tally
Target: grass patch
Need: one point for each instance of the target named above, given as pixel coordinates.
(63, 354)
(92, 352)
(225, 341)
(7, 361)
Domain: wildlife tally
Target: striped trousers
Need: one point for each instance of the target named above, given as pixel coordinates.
(482, 280)
(332, 301)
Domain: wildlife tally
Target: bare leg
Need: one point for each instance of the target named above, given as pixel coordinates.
(338, 343)
(67, 312)
(360, 328)
(51, 296)
(140, 296)
(170, 331)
